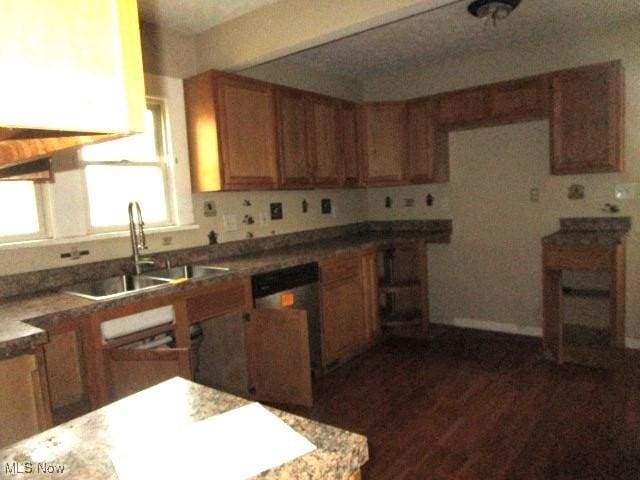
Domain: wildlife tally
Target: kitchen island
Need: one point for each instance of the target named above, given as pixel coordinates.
(82, 448)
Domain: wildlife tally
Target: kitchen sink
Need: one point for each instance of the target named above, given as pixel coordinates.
(185, 272)
(115, 287)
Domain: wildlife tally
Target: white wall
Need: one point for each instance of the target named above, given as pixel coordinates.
(492, 171)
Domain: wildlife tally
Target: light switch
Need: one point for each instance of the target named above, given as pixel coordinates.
(626, 191)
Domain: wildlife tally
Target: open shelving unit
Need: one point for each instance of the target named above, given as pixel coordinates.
(402, 287)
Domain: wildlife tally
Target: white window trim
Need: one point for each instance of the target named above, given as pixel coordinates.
(168, 175)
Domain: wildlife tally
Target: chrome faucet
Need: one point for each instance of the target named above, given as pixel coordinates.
(138, 238)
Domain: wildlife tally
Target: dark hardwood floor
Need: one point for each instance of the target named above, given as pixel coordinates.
(476, 405)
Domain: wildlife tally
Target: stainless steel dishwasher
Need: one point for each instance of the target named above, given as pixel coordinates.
(297, 288)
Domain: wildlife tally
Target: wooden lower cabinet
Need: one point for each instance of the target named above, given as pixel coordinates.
(130, 371)
(343, 308)
(24, 397)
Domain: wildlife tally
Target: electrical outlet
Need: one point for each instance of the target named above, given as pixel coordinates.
(166, 241)
(230, 222)
(325, 205)
(209, 208)
(534, 195)
(409, 202)
(276, 211)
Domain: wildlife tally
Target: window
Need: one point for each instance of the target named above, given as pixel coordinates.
(23, 220)
(128, 169)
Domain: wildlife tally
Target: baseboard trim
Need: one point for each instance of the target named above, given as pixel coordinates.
(630, 342)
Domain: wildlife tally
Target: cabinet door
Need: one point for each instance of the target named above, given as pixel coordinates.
(247, 134)
(463, 108)
(428, 148)
(294, 154)
(384, 143)
(324, 142)
(24, 399)
(279, 363)
(586, 122)
(349, 152)
(130, 371)
(344, 326)
(520, 100)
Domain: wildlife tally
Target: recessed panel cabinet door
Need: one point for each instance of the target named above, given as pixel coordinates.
(384, 143)
(279, 363)
(294, 153)
(586, 121)
(247, 133)
(428, 146)
(324, 142)
(348, 141)
(130, 371)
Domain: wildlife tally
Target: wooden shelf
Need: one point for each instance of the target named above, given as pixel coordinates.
(401, 319)
(390, 287)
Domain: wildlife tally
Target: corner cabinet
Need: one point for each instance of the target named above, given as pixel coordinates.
(348, 143)
(587, 119)
(231, 124)
(328, 159)
(383, 136)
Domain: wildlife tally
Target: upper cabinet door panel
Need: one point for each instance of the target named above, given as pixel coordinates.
(587, 120)
(247, 133)
(324, 142)
(384, 143)
(349, 149)
(463, 108)
(293, 111)
(427, 145)
(520, 100)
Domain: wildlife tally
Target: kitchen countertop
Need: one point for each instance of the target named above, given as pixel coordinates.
(590, 231)
(25, 319)
(82, 446)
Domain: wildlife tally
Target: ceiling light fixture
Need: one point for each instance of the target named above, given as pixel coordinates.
(492, 10)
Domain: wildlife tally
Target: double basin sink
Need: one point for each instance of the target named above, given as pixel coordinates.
(123, 285)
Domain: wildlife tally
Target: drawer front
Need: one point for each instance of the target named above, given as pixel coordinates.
(220, 299)
(578, 258)
(340, 267)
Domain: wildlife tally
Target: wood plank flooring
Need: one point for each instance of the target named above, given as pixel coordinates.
(475, 405)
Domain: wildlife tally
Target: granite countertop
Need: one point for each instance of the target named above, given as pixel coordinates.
(82, 446)
(590, 231)
(24, 319)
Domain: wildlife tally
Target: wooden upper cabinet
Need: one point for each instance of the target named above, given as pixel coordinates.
(427, 144)
(231, 127)
(587, 119)
(324, 142)
(519, 100)
(293, 109)
(463, 108)
(349, 153)
(383, 143)
(70, 71)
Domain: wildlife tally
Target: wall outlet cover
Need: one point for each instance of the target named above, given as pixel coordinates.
(209, 208)
(409, 202)
(276, 211)
(325, 205)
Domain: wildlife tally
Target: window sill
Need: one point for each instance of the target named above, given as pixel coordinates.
(46, 242)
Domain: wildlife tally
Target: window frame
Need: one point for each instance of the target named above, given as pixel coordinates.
(165, 154)
(41, 202)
